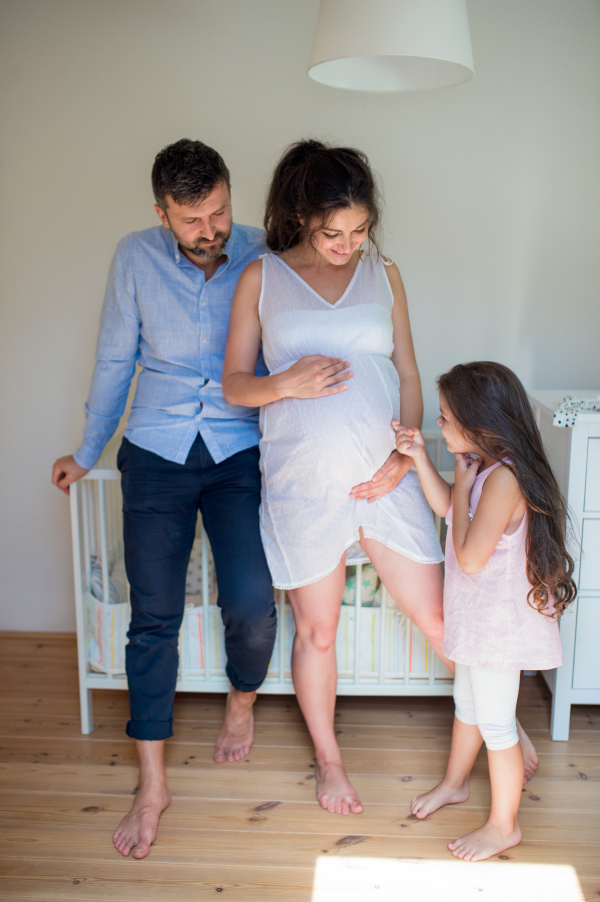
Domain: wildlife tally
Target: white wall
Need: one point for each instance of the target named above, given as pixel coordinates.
(492, 193)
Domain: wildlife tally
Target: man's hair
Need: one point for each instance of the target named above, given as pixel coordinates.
(187, 171)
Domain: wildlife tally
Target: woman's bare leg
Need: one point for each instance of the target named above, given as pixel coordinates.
(314, 669)
(417, 589)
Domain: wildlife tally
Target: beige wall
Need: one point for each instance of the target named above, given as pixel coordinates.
(492, 192)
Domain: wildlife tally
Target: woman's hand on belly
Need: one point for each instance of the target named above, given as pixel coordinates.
(315, 376)
(385, 479)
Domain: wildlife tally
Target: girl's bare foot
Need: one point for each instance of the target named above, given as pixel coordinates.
(137, 830)
(442, 794)
(334, 790)
(483, 843)
(530, 758)
(237, 733)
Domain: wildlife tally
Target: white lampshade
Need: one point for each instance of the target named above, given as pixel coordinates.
(391, 45)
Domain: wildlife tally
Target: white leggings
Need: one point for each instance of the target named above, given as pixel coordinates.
(488, 699)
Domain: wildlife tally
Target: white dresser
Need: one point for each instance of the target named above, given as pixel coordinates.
(574, 454)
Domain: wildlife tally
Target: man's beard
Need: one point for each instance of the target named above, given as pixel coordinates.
(209, 253)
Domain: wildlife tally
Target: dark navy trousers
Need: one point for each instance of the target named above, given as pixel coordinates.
(161, 500)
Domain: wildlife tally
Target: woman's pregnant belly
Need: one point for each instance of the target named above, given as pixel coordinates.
(342, 438)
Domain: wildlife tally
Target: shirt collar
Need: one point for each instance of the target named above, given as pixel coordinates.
(181, 259)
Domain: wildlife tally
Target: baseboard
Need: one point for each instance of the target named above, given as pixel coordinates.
(35, 634)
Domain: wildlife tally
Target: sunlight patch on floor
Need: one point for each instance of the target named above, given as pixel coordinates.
(351, 879)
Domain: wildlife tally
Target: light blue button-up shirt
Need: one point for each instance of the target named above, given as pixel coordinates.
(161, 313)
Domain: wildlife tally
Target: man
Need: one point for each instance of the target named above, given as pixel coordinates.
(167, 308)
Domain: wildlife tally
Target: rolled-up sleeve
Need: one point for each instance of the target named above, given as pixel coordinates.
(117, 351)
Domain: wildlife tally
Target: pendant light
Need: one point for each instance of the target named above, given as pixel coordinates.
(391, 45)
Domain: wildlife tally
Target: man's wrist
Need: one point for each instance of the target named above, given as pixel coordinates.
(85, 458)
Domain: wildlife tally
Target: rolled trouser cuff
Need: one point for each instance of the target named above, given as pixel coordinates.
(243, 685)
(148, 729)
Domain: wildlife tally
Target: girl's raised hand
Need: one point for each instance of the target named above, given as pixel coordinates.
(465, 470)
(315, 377)
(408, 441)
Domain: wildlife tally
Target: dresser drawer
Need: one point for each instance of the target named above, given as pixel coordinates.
(592, 476)
(586, 670)
(589, 574)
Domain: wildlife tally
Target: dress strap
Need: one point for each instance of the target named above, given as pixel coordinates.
(487, 472)
(478, 485)
(386, 261)
(476, 490)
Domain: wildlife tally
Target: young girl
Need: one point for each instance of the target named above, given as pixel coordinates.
(508, 580)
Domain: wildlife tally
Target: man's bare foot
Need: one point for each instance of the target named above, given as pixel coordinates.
(334, 790)
(530, 758)
(137, 830)
(483, 843)
(237, 733)
(442, 794)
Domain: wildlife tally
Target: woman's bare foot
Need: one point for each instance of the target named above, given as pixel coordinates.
(334, 790)
(530, 758)
(442, 794)
(137, 830)
(237, 733)
(487, 841)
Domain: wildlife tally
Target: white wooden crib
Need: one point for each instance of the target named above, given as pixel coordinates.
(393, 656)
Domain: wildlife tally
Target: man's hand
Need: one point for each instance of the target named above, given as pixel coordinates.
(408, 441)
(65, 471)
(385, 479)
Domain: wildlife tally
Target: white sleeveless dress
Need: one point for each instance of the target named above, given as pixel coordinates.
(313, 451)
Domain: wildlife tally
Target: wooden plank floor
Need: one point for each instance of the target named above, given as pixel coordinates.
(252, 831)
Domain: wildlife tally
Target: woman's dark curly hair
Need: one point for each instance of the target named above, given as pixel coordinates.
(492, 408)
(311, 182)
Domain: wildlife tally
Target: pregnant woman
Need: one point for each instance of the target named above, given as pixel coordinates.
(335, 332)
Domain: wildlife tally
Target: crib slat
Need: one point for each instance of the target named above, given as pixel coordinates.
(85, 694)
(382, 630)
(407, 644)
(103, 543)
(357, 613)
(282, 628)
(93, 516)
(85, 516)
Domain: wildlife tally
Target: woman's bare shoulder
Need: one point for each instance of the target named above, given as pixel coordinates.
(392, 272)
(251, 277)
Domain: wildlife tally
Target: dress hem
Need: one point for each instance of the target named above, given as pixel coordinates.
(316, 579)
(505, 666)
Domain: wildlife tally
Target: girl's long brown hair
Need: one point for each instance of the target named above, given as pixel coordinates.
(492, 408)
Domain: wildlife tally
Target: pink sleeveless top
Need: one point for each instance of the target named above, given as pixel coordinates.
(488, 621)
